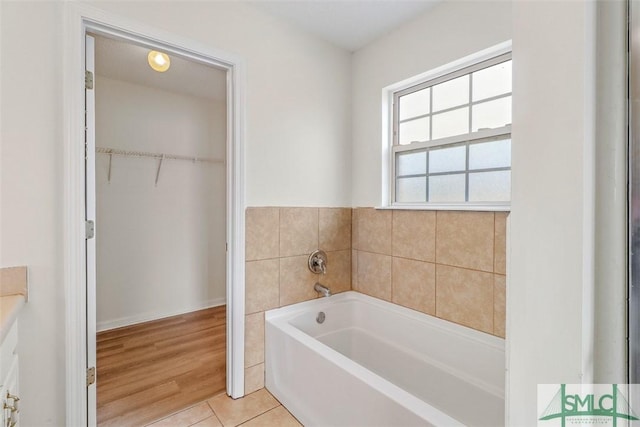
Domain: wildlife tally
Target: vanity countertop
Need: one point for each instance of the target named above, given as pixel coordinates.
(10, 306)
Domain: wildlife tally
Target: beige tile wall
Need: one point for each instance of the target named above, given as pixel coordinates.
(278, 244)
(447, 264)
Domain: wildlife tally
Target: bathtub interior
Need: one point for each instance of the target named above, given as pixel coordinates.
(455, 369)
(357, 322)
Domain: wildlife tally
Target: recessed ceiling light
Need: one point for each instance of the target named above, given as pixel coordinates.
(159, 61)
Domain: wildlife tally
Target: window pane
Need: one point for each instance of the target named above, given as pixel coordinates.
(447, 159)
(492, 81)
(451, 123)
(415, 130)
(414, 104)
(490, 186)
(446, 188)
(451, 93)
(411, 189)
(413, 163)
(493, 154)
(492, 114)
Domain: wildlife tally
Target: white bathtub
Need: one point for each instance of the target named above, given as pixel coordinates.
(372, 363)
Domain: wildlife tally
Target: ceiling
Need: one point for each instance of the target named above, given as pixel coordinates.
(127, 62)
(350, 24)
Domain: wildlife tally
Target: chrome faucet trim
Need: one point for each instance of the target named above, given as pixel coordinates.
(318, 262)
(322, 290)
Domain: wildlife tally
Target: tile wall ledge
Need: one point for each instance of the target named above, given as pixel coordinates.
(443, 207)
(298, 206)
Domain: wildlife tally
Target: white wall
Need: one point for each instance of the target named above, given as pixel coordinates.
(429, 41)
(1, 259)
(611, 196)
(298, 138)
(160, 249)
(298, 134)
(550, 289)
(32, 195)
(551, 277)
(298, 98)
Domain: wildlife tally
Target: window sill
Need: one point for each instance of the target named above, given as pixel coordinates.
(495, 207)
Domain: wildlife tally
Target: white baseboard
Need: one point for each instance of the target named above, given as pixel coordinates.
(105, 325)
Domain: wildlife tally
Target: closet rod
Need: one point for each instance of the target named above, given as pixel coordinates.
(126, 153)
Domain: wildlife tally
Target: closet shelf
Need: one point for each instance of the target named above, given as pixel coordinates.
(160, 156)
(127, 153)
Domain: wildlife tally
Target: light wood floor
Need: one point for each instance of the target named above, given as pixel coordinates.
(150, 370)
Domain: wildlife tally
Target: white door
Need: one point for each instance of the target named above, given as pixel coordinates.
(90, 194)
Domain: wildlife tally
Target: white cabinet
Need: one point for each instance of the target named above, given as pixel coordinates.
(9, 400)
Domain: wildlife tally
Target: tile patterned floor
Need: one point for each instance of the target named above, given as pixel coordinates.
(258, 409)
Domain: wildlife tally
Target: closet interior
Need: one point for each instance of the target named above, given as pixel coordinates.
(160, 233)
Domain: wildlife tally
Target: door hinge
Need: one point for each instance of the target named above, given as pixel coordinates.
(91, 375)
(88, 80)
(89, 229)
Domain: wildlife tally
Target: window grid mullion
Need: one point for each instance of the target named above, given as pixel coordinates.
(461, 72)
(457, 107)
(427, 176)
(466, 174)
(484, 135)
(413, 175)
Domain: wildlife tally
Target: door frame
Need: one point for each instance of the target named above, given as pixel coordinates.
(79, 19)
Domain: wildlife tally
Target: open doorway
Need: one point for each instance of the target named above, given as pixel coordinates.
(159, 174)
(79, 274)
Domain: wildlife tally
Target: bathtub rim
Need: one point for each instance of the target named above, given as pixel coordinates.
(277, 315)
(354, 369)
(279, 318)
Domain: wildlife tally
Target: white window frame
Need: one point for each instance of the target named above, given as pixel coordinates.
(486, 58)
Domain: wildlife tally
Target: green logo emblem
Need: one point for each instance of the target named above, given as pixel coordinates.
(602, 404)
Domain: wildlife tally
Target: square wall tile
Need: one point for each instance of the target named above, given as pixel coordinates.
(298, 231)
(374, 275)
(262, 285)
(262, 233)
(414, 235)
(374, 230)
(335, 229)
(253, 379)
(338, 277)
(465, 239)
(499, 305)
(465, 297)
(500, 251)
(296, 280)
(254, 339)
(414, 285)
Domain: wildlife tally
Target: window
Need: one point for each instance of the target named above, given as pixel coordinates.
(452, 138)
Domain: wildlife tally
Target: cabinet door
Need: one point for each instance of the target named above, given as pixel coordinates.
(3, 413)
(10, 400)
